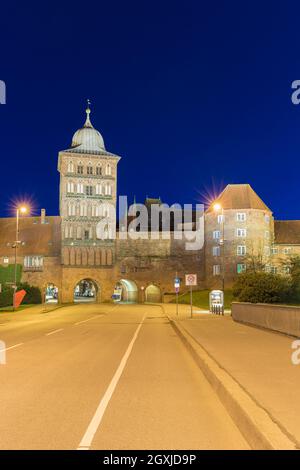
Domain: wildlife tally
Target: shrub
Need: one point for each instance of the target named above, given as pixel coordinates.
(261, 287)
(33, 294)
(6, 296)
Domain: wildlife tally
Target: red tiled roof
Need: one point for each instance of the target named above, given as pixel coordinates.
(239, 196)
(287, 231)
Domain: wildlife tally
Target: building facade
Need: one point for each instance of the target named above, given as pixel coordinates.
(79, 257)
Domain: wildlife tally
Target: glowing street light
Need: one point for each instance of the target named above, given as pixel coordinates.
(217, 207)
(20, 210)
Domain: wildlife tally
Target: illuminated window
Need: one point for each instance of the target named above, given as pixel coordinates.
(241, 268)
(70, 167)
(80, 188)
(216, 269)
(71, 210)
(83, 210)
(108, 189)
(216, 234)
(108, 170)
(33, 261)
(70, 187)
(216, 251)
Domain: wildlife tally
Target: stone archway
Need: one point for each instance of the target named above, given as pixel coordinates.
(86, 290)
(51, 294)
(128, 291)
(153, 294)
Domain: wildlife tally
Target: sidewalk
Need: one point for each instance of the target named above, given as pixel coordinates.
(260, 361)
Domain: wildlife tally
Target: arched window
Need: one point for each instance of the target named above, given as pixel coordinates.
(108, 170)
(71, 210)
(80, 188)
(98, 188)
(83, 210)
(70, 187)
(99, 170)
(89, 169)
(66, 231)
(79, 234)
(70, 167)
(107, 189)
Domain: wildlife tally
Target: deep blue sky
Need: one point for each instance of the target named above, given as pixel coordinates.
(193, 95)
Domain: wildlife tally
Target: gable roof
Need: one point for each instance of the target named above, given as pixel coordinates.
(239, 196)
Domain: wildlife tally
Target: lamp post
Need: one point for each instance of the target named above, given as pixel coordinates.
(219, 208)
(20, 210)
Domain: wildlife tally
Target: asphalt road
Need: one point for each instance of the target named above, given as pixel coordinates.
(105, 377)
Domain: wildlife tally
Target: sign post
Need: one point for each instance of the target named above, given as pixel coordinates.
(191, 280)
(177, 287)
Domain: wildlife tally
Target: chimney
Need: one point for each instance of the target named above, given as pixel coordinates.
(43, 216)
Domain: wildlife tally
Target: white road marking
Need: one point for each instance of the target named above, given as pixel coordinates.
(88, 437)
(53, 332)
(11, 347)
(83, 321)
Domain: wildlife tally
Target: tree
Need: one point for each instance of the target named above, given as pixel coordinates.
(293, 266)
(256, 258)
(261, 287)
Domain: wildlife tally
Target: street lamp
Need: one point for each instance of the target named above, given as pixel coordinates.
(217, 207)
(21, 210)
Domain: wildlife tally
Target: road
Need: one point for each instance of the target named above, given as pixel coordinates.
(105, 377)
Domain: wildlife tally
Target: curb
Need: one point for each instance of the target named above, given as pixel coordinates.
(256, 425)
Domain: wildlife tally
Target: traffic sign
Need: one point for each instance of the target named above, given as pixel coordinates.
(191, 279)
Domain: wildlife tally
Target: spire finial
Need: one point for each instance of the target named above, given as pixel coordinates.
(88, 112)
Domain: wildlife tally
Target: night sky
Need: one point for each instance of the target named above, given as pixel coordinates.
(192, 94)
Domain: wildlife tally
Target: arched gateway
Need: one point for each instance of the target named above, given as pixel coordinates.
(152, 294)
(86, 290)
(126, 291)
